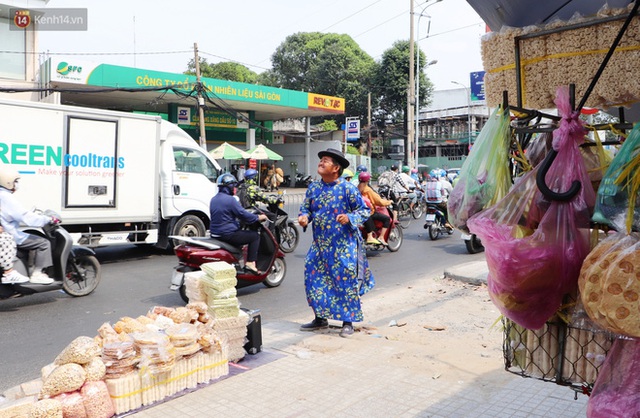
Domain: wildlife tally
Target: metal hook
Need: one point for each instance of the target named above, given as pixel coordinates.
(546, 191)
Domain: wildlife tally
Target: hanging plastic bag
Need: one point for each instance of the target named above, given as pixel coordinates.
(484, 176)
(535, 246)
(618, 200)
(616, 392)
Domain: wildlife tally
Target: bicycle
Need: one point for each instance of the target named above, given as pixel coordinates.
(405, 213)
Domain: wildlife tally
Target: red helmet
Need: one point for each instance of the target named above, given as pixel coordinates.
(364, 177)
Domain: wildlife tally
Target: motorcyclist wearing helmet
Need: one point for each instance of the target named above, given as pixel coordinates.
(411, 184)
(347, 175)
(226, 212)
(376, 201)
(398, 186)
(13, 215)
(437, 195)
(255, 194)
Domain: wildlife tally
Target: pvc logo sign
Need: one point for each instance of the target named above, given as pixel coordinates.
(65, 69)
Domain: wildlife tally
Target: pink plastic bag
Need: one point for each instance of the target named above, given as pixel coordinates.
(616, 392)
(535, 246)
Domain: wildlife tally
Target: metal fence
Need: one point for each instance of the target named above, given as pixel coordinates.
(292, 200)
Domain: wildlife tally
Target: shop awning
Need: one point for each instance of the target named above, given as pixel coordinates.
(521, 13)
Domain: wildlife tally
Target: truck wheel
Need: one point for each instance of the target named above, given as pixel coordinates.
(188, 226)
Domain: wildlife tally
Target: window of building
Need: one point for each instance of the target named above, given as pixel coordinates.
(13, 62)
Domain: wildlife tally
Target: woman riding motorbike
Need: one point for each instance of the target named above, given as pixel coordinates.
(376, 201)
(13, 215)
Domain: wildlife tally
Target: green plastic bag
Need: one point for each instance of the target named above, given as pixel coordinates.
(484, 177)
(617, 201)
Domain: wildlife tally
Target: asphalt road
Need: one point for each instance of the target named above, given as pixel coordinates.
(36, 328)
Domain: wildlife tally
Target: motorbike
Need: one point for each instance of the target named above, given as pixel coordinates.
(75, 269)
(286, 232)
(473, 243)
(435, 222)
(302, 180)
(286, 182)
(195, 251)
(393, 237)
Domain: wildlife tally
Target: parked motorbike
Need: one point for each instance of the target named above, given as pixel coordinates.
(195, 251)
(435, 222)
(75, 268)
(302, 180)
(286, 182)
(473, 243)
(286, 232)
(393, 236)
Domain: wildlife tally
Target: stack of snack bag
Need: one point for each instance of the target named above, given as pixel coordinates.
(73, 385)
(219, 284)
(140, 361)
(234, 329)
(175, 348)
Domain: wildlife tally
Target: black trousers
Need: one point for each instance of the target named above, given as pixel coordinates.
(369, 224)
(242, 237)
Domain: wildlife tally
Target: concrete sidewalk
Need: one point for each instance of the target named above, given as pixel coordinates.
(302, 374)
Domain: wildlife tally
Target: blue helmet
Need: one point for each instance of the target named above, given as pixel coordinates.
(251, 174)
(361, 168)
(227, 181)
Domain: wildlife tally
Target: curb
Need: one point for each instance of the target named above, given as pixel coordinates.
(474, 273)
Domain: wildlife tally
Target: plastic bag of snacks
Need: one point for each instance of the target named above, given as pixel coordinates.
(72, 405)
(484, 176)
(616, 392)
(609, 285)
(46, 408)
(97, 401)
(81, 350)
(535, 246)
(618, 200)
(66, 378)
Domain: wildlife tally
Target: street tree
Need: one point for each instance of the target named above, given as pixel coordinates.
(392, 81)
(227, 70)
(322, 63)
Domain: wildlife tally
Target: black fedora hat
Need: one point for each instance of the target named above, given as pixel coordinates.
(337, 155)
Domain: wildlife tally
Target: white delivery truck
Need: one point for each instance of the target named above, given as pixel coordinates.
(114, 177)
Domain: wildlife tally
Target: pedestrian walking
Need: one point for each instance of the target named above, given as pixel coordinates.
(336, 269)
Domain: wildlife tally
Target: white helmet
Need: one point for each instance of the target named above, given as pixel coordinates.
(8, 177)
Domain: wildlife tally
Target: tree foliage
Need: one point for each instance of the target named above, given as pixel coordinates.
(231, 71)
(328, 64)
(392, 80)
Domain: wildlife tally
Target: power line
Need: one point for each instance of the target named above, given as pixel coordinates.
(95, 53)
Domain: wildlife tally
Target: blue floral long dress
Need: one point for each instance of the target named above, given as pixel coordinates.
(336, 271)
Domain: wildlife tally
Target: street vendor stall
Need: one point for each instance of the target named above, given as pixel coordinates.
(560, 228)
(136, 363)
